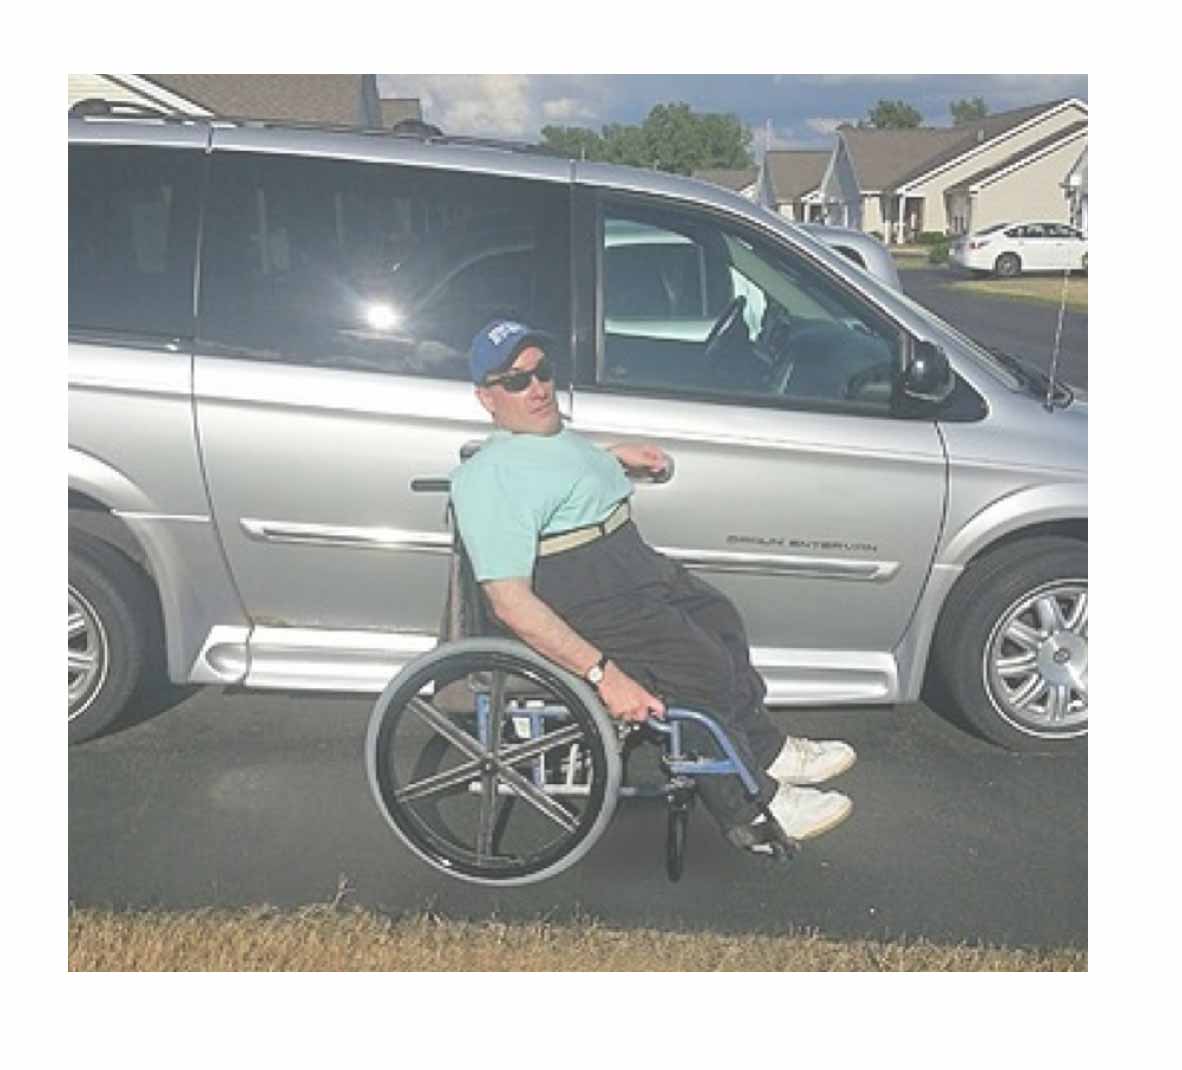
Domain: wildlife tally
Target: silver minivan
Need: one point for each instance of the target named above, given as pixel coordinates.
(267, 339)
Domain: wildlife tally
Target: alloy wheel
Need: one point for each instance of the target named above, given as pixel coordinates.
(87, 654)
(1036, 660)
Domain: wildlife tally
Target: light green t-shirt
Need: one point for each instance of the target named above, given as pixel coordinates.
(522, 486)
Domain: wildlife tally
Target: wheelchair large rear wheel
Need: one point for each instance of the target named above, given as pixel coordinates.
(491, 763)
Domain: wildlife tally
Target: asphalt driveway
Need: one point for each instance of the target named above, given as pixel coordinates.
(1021, 327)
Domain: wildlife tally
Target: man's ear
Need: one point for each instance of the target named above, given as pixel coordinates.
(485, 397)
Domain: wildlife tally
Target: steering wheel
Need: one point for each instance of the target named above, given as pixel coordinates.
(881, 372)
(726, 320)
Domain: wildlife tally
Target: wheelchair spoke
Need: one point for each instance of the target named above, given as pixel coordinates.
(539, 799)
(439, 784)
(531, 749)
(457, 737)
(488, 779)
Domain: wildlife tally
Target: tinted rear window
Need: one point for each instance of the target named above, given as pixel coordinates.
(133, 238)
(375, 266)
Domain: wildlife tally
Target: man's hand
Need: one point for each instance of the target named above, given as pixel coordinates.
(642, 455)
(625, 699)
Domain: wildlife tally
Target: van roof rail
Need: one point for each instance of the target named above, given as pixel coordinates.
(427, 134)
(122, 109)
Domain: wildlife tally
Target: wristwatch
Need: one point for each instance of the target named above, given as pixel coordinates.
(594, 675)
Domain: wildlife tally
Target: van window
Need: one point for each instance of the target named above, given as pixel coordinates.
(695, 306)
(133, 239)
(374, 266)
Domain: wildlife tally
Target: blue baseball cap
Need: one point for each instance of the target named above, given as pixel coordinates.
(497, 344)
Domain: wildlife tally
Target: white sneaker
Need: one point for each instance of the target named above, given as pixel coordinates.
(803, 761)
(804, 812)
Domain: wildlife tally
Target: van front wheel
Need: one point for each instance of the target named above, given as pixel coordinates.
(1012, 645)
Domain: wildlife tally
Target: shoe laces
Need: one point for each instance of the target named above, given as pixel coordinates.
(806, 749)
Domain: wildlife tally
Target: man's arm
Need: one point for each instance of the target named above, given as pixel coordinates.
(535, 623)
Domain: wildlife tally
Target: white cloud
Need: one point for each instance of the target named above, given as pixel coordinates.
(565, 109)
(820, 125)
(496, 105)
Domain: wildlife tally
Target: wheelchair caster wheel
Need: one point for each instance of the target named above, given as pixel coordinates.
(681, 801)
(675, 836)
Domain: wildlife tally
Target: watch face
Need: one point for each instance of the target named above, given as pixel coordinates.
(595, 674)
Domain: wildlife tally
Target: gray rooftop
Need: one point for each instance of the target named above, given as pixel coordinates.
(729, 178)
(316, 98)
(888, 159)
(794, 172)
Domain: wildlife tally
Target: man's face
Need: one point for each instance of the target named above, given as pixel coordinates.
(532, 411)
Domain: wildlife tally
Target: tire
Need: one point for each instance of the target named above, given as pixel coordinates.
(1008, 265)
(1011, 645)
(505, 810)
(110, 606)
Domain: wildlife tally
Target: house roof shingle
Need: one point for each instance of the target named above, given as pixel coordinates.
(395, 109)
(1068, 133)
(733, 178)
(889, 159)
(977, 133)
(882, 157)
(794, 172)
(317, 98)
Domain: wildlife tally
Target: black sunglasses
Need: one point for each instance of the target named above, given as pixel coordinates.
(516, 382)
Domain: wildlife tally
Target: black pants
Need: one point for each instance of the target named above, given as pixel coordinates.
(679, 637)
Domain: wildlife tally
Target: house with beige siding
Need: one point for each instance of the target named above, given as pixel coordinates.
(894, 182)
(989, 145)
(1025, 185)
(865, 165)
(318, 98)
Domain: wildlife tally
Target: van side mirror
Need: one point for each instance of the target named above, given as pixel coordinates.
(928, 376)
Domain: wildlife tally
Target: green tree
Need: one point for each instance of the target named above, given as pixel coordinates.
(575, 141)
(968, 111)
(672, 138)
(892, 115)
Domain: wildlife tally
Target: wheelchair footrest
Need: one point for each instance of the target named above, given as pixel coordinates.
(766, 838)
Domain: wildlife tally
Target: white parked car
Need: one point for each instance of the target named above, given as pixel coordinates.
(1008, 249)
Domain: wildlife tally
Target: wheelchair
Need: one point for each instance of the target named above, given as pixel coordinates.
(496, 766)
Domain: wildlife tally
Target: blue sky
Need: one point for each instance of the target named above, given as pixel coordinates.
(803, 109)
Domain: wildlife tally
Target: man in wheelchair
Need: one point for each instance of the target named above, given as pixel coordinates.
(544, 516)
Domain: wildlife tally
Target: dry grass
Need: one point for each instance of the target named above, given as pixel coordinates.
(325, 938)
(1047, 289)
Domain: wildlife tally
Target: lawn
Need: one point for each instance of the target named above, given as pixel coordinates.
(1047, 289)
(326, 938)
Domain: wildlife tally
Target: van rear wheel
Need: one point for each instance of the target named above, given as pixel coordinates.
(109, 603)
(1012, 644)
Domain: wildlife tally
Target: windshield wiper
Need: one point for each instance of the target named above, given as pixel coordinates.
(1032, 377)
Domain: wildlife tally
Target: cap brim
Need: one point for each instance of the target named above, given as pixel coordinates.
(541, 339)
